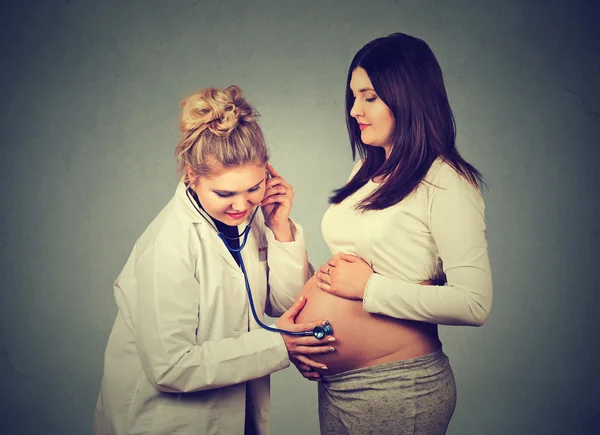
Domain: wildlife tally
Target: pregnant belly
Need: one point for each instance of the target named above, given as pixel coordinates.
(364, 339)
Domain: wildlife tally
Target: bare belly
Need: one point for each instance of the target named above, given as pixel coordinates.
(364, 339)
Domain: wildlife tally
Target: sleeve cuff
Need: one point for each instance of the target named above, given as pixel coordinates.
(280, 347)
(298, 244)
(368, 297)
(376, 289)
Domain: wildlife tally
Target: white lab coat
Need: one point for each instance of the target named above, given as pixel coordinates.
(180, 358)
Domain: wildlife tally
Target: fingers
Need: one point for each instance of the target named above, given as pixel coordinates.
(272, 171)
(334, 260)
(280, 194)
(325, 287)
(323, 274)
(303, 367)
(310, 350)
(307, 367)
(325, 269)
(307, 371)
(278, 191)
(286, 321)
(277, 188)
(351, 258)
(296, 327)
(311, 375)
(324, 278)
(309, 363)
(295, 309)
(275, 179)
(307, 345)
(312, 341)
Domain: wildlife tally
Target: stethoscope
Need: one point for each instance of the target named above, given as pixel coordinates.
(318, 331)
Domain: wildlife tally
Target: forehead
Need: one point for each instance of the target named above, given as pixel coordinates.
(360, 80)
(234, 179)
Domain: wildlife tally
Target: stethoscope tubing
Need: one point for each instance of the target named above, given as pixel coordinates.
(318, 331)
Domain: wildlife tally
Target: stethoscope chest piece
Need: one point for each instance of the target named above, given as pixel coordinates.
(321, 331)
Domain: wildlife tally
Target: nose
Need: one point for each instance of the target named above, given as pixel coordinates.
(240, 203)
(356, 109)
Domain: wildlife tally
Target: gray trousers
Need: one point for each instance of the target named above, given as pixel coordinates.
(411, 397)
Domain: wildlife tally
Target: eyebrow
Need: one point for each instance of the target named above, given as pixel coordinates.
(363, 90)
(227, 192)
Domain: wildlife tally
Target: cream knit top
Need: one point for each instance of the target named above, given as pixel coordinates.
(439, 229)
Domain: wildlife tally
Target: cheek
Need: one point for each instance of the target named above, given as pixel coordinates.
(384, 115)
(212, 203)
(385, 120)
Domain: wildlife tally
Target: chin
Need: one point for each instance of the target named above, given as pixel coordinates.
(230, 221)
(370, 141)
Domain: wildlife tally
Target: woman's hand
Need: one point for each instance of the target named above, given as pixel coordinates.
(308, 372)
(299, 347)
(344, 275)
(277, 204)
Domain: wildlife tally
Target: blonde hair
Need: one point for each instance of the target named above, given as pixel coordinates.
(218, 127)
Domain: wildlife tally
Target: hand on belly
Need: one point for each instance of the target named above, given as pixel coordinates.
(362, 338)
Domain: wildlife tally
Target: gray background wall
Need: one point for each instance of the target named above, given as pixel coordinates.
(89, 97)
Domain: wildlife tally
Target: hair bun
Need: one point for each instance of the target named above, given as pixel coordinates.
(219, 111)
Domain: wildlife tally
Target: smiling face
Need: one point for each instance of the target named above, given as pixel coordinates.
(230, 194)
(374, 117)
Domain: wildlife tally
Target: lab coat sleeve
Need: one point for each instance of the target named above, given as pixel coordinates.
(165, 333)
(289, 270)
(457, 224)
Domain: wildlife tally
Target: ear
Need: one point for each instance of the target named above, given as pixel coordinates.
(190, 175)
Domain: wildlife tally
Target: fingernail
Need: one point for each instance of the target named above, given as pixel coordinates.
(325, 368)
(330, 349)
(330, 339)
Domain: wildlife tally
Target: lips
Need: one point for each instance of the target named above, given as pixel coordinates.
(363, 126)
(237, 215)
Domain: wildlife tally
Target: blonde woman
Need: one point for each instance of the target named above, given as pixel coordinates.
(185, 355)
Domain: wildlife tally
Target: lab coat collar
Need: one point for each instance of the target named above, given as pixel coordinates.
(189, 214)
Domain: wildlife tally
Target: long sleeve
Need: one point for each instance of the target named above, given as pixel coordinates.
(289, 270)
(457, 225)
(167, 315)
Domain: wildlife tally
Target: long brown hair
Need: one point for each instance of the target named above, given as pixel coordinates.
(407, 77)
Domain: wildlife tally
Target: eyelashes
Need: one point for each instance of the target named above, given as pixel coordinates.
(369, 99)
(230, 194)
